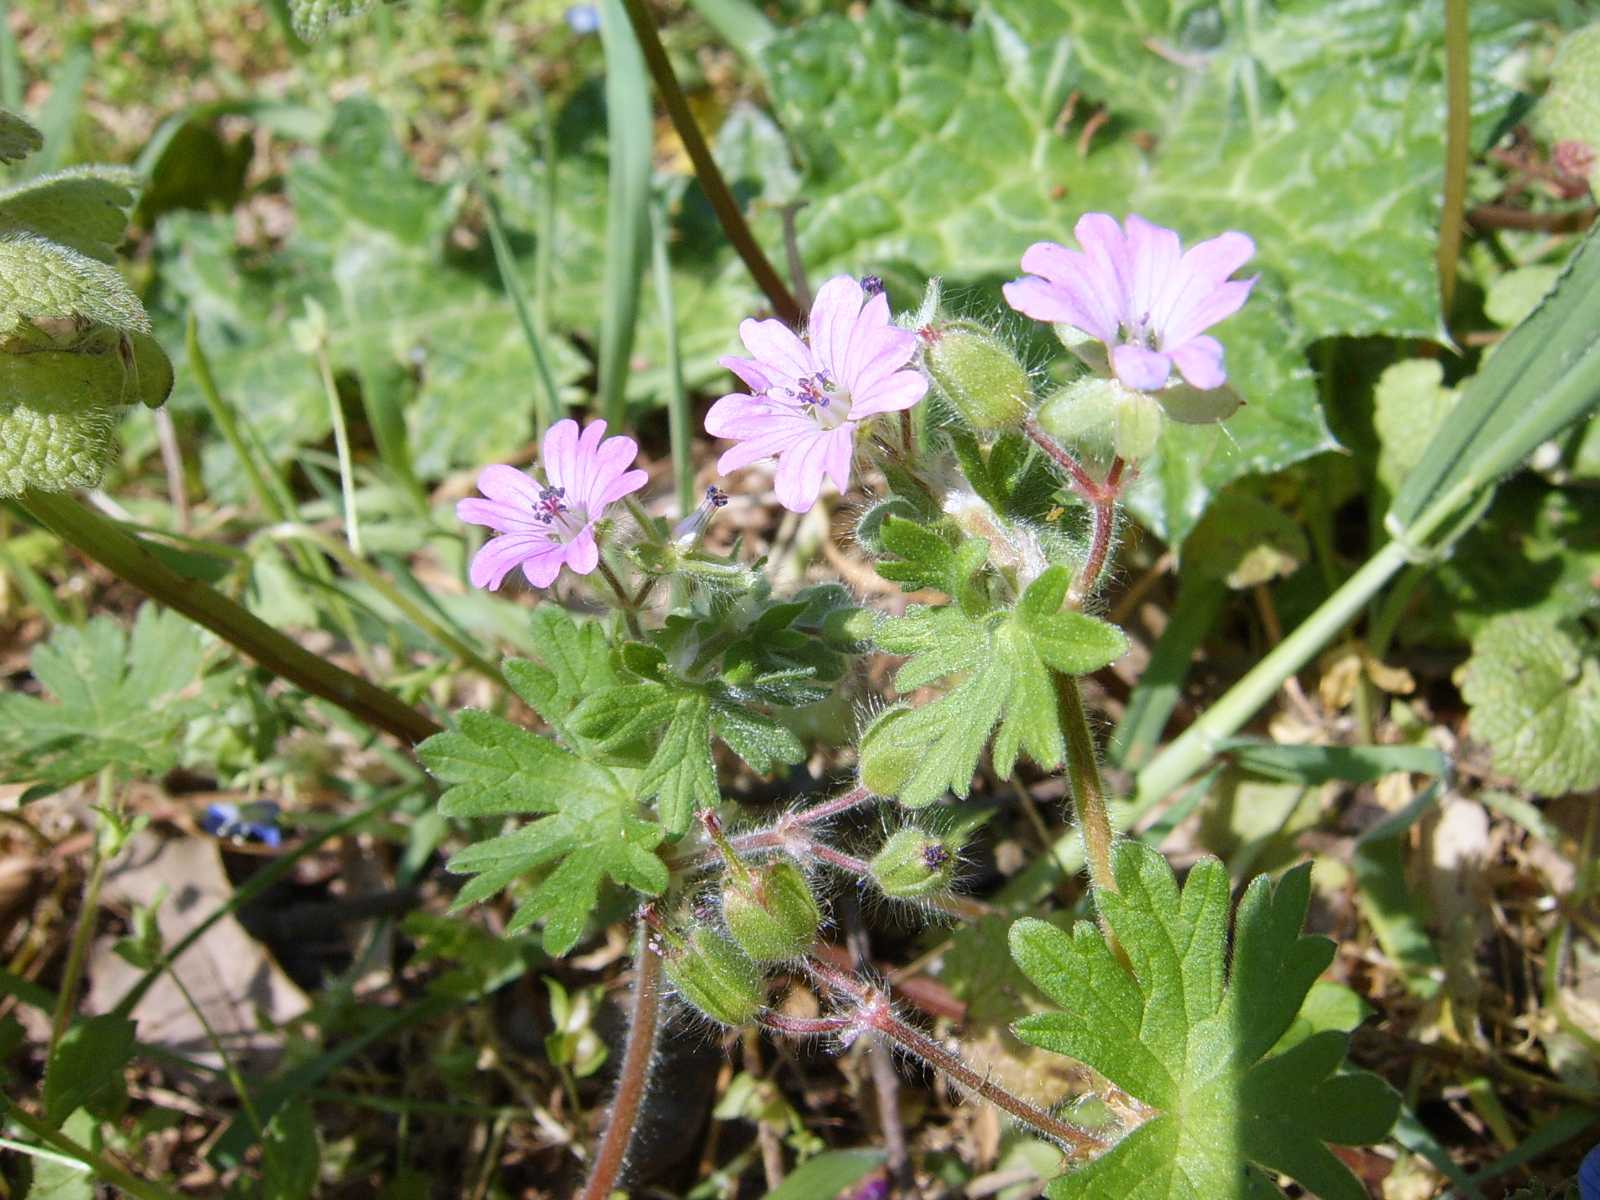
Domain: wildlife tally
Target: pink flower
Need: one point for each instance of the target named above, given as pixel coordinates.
(1134, 290)
(545, 528)
(807, 398)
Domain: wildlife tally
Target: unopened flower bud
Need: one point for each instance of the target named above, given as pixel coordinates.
(714, 975)
(1099, 418)
(884, 765)
(691, 531)
(771, 912)
(849, 628)
(913, 865)
(979, 375)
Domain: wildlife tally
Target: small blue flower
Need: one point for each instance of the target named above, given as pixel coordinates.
(583, 19)
(253, 822)
(1589, 1176)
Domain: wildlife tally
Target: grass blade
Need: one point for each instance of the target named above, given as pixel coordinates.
(679, 426)
(629, 136)
(546, 409)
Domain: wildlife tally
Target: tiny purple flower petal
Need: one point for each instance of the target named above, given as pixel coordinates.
(1133, 288)
(807, 397)
(546, 527)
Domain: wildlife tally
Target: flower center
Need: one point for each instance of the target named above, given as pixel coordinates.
(552, 510)
(827, 404)
(1138, 333)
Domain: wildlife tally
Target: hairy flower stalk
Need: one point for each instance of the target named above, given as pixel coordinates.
(634, 1078)
(872, 1011)
(807, 398)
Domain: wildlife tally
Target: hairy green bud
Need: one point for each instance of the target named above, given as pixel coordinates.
(979, 375)
(885, 766)
(849, 628)
(771, 912)
(913, 865)
(715, 976)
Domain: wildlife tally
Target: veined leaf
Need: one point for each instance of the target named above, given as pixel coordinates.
(591, 831)
(1196, 1050)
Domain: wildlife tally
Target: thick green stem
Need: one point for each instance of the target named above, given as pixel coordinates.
(1088, 790)
(378, 582)
(705, 167)
(105, 542)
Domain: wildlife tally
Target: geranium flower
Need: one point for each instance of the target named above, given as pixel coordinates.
(544, 527)
(1133, 289)
(808, 397)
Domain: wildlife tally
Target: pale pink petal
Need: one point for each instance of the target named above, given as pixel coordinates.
(1064, 292)
(496, 558)
(1155, 253)
(835, 314)
(900, 391)
(559, 453)
(768, 445)
(613, 458)
(739, 415)
(509, 486)
(541, 569)
(841, 448)
(1071, 273)
(1199, 360)
(1199, 310)
(889, 354)
(1043, 301)
(753, 374)
(1107, 251)
(798, 480)
(778, 349)
(625, 484)
(872, 333)
(1141, 369)
(580, 483)
(582, 553)
(496, 515)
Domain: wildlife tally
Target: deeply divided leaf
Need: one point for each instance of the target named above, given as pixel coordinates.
(1221, 1113)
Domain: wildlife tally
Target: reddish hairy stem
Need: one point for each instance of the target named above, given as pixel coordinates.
(634, 1079)
(1083, 483)
(873, 1012)
(788, 1026)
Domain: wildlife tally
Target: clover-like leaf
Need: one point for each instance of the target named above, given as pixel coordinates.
(589, 827)
(1002, 662)
(1193, 1049)
(118, 701)
(1535, 698)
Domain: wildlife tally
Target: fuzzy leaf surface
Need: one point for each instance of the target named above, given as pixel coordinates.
(1535, 698)
(589, 828)
(1002, 662)
(1192, 1044)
